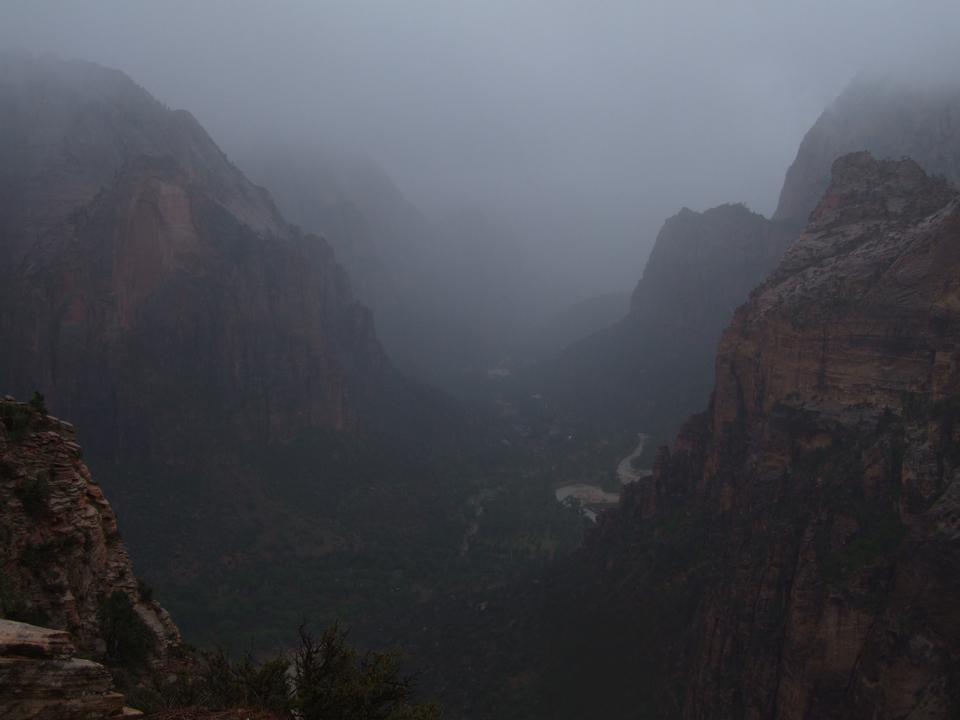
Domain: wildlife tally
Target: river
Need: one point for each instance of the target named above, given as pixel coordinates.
(593, 498)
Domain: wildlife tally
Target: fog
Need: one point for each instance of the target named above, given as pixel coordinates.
(579, 125)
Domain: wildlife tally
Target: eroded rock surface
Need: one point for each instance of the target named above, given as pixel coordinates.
(61, 554)
(40, 679)
(817, 497)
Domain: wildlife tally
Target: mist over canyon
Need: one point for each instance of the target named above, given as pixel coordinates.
(501, 360)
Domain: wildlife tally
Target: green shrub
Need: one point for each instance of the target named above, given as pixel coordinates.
(146, 592)
(329, 681)
(34, 492)
(17, 419)
(244, 683)
(14, 607)
(37, 556)
(39, 403)
(332, 683)
(128, 640)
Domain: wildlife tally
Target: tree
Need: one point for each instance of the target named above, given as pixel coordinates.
(332, 683)
(39, 403)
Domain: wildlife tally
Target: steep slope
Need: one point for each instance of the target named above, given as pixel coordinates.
(233, 397)
(795, 553)
(64, 566)
(136, 248)
(451, 297)
(652, 368)
(839, 376)
(61, 554)
(891, 115)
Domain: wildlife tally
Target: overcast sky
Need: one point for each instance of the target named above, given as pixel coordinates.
(583, 124)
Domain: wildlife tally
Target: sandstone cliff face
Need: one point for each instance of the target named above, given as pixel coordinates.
(61, 554)
(69, 127)
(158, 299)
(818, 494)
(144, 267)
(40, 679)
(890, 116)
(653, 368)
(231, 395)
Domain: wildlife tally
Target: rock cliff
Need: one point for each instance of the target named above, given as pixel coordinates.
(146, 269)
(655, 367)
(798, 543)
(891, 115)
(61, 554)
(652, 369)
(40, 679)
(232, 396)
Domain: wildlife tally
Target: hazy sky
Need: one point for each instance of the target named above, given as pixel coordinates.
(583, 124)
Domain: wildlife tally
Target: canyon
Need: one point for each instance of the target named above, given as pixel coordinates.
(790, 553)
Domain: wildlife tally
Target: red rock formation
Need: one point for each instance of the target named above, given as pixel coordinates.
(226, 385)
(40, 679)
(61, 554)
(142, 267)
(159, 300)
(820, 489)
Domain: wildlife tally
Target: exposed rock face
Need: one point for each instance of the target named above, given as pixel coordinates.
(41, 680)
(657, 363)
(653, 367)
(146, 269)
(61, 554)
(888, 115)
(817, 499)
(231, 395)
(152, 292)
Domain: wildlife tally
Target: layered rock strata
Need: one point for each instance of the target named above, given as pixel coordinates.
(41, 679)
(815, 504)
(61, 554)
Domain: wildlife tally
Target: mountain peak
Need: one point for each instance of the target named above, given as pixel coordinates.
(885, 114)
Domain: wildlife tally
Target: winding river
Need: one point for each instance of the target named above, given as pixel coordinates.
(593, 498)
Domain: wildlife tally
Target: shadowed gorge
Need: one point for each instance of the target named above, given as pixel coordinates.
(479, 361)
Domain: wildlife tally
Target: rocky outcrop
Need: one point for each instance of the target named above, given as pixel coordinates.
(653, 368)
(62, 560)
(40, 679)
(891, 114)
(814, 505)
